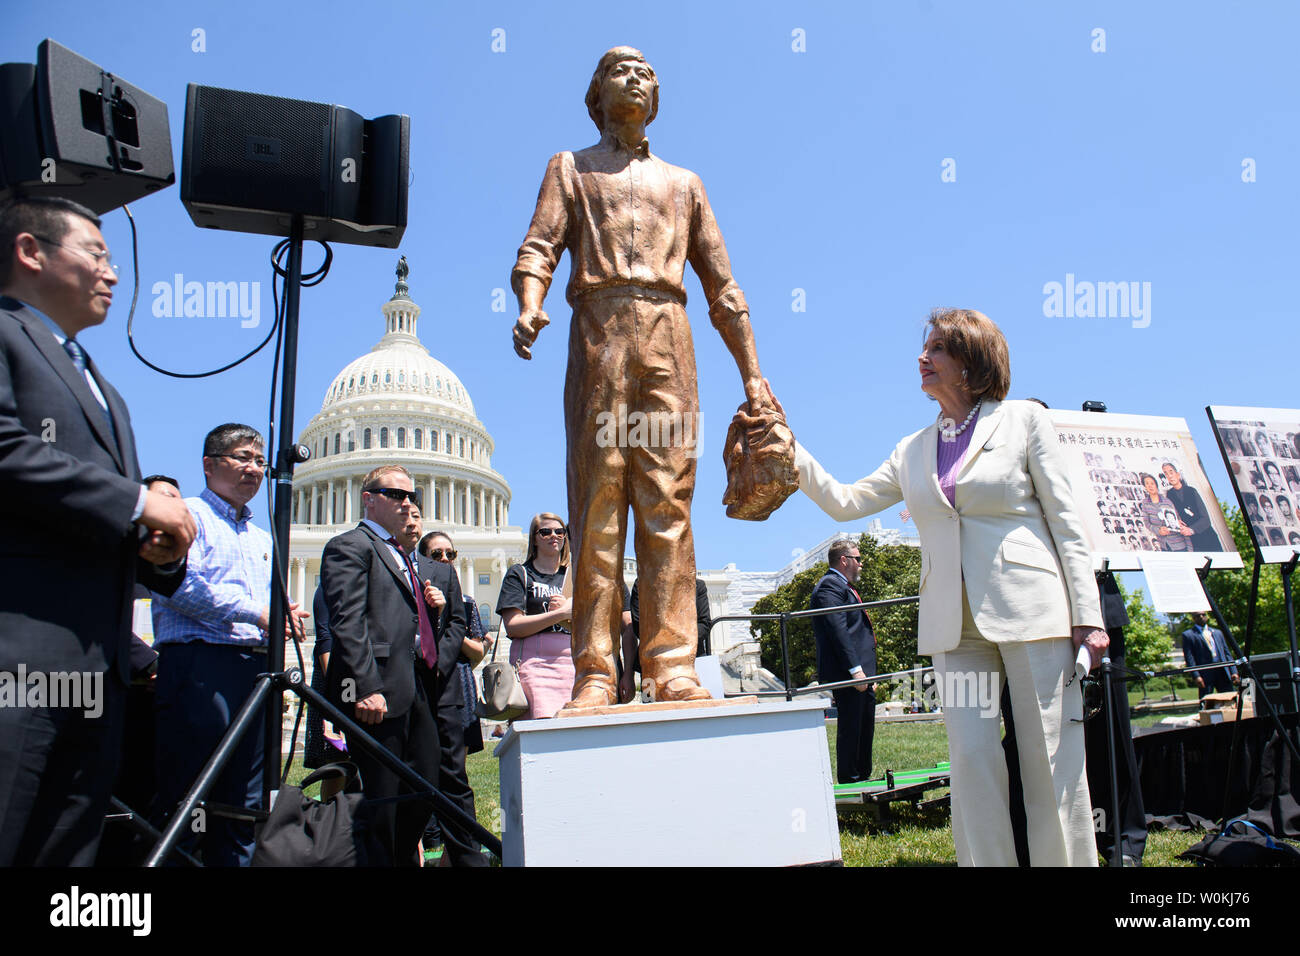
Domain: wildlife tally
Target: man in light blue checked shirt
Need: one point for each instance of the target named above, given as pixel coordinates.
(211, 641)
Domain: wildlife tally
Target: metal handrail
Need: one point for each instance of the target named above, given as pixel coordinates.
(786, 616)
(836, 685)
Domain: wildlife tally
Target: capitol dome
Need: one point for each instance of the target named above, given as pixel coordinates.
(400, 366)
(399, 405)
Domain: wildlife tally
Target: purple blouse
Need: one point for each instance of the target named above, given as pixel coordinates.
(951, 455)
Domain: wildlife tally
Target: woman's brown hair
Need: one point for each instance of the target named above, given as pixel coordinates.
(974, 340)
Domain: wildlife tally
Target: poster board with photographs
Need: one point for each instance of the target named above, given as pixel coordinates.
(1139, 486)
(1261, 447)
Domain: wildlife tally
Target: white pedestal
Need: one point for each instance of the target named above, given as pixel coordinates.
(743, 785)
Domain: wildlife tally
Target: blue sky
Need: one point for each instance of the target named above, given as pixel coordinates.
(825, 171)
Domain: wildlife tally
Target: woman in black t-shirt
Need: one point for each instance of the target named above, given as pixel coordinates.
(535, 615)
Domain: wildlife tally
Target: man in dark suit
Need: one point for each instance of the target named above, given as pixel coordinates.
(846, 649)
(76, 525)
(379, 612)
(1203, 645)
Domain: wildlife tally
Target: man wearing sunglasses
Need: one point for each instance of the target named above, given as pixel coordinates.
(380, 620)
(77, 529)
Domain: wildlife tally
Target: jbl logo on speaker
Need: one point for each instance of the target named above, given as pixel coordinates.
(262, 148)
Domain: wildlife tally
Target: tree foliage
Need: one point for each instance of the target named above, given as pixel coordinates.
(1147, 640)
(888, 571)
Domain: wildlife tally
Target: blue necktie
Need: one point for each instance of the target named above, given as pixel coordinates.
(78, 356)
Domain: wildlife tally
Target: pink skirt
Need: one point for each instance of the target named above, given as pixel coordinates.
(545, 664)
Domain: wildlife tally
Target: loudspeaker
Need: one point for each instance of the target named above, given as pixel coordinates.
(251, 162)
(68, 128)
(1274, 673)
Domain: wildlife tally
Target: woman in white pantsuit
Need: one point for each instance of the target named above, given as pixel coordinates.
(1007, 590)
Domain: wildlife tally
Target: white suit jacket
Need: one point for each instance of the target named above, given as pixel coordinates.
(1014, 532)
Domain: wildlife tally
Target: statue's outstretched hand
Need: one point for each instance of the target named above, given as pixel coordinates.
(531, 321)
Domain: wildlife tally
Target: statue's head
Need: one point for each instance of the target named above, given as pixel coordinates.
(627, 68)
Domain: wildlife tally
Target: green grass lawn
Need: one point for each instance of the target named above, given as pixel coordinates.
(1159, 692)
(911, 838)
(924, 838)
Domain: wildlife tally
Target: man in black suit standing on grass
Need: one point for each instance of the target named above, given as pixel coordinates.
(1204, 645)
(76, 526)
(846, 649)
(381, 618)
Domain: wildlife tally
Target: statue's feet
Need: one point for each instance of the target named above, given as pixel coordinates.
(593, 695)
(681, 688)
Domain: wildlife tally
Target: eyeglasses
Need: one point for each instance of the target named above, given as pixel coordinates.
(397, 494)
(547, 532)
(103, 259)
(245, 460)
(439, 553)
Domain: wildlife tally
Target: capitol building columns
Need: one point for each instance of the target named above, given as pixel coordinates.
(465, 571)
(298, 583)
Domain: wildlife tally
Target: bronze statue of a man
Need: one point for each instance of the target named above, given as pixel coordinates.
(631, 222)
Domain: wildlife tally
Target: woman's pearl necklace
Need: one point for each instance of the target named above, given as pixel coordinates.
(950, 434)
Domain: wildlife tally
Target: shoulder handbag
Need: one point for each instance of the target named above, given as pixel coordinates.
(502, 696)
(300, 831)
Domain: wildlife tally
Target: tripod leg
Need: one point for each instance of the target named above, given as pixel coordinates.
(1247, 670)
(444, 808)
(243, 723)
(1108, 702)
(137, 823)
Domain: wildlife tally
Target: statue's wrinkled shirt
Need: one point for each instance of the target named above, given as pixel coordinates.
(627, 219)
